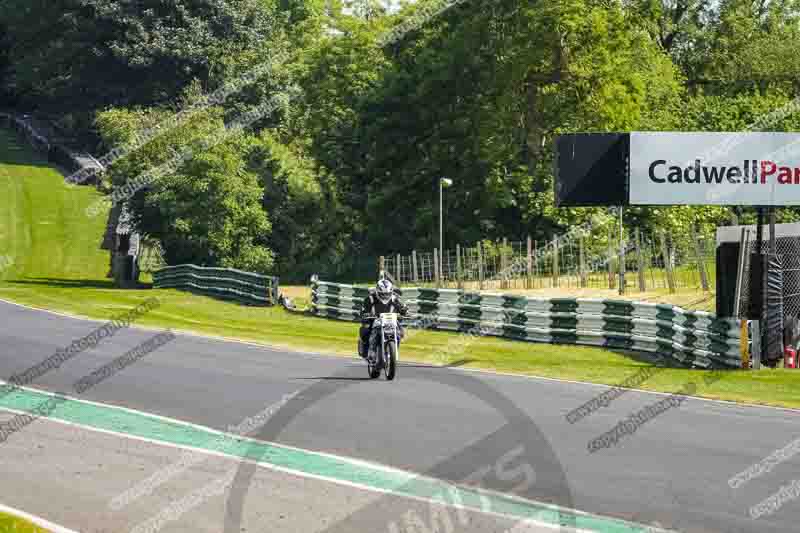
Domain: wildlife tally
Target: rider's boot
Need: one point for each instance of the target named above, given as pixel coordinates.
(362, 350)
(372, 356)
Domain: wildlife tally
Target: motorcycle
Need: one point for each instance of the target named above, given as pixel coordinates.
(388, 347)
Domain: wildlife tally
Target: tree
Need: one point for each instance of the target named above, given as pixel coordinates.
(753, 47)
(207, 208)
(5, 65)
(89, 54)
(477, 94)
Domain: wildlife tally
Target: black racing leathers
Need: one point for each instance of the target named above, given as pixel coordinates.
(373, 307)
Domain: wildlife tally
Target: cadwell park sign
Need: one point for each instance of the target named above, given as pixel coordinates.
(761, 169)
(674, 168)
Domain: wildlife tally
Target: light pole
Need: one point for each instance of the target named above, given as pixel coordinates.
(443, 183)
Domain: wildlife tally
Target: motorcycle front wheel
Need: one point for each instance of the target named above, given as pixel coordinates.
(391, 360)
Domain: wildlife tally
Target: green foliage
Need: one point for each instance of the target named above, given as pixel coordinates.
(87, 54)
(151, 137)
(301, 200)
(728, 47)
(389, 103)
(207, 212)
(532, 73)
(754, 46)
(774, 111)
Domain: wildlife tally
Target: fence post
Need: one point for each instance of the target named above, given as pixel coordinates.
(503, 265)
(399, 270)
(270, 291)
(529, 281)
(436, 267)
(448, 270)
(698, 250)
(414, 265)
(442, 269)
(469, 265)
(465, 267)
(610, 259)
(381, 265)
(458, 266)
(667, 262)
(555, 262)
(640, 261)
(480, 266)
(454, 275)
(582, 259)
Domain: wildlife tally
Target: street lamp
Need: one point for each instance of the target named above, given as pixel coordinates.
(443, 183)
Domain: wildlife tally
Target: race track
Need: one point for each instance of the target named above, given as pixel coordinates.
(468, 428)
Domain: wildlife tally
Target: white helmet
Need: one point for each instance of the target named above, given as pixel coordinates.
(384, 290)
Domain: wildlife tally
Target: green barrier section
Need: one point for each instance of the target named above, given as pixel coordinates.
(229, 283)
(691, 338)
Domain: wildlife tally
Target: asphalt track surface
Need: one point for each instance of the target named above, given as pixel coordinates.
(673, 471)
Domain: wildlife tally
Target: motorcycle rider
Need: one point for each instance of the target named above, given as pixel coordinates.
(381, 299)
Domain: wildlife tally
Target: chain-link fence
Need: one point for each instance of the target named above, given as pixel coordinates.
(582, 258)
(788, 251)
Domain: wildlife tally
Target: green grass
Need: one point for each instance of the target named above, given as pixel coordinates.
(43, 226)
(58, 265)
(12, 524)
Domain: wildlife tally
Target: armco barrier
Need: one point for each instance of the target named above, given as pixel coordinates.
(243, 286)
(693, 338)
(55, 152)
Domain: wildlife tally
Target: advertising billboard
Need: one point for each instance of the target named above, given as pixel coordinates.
(671, 168)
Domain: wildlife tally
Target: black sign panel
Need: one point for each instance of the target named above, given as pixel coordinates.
(591, 169)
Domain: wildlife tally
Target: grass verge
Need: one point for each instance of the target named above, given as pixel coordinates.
(57, 264)
(10, 523)
(690, 299)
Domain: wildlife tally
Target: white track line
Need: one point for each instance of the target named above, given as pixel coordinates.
(343, 458)
(456, 369)
(41, 522)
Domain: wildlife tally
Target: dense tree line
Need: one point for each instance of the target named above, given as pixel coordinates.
(348, 166)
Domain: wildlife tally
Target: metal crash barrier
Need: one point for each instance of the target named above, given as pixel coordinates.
(692, 338)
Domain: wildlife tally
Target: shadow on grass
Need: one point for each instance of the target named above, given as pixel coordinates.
(65, 283)
(75, 283)
(215, 296)
(652, 359)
